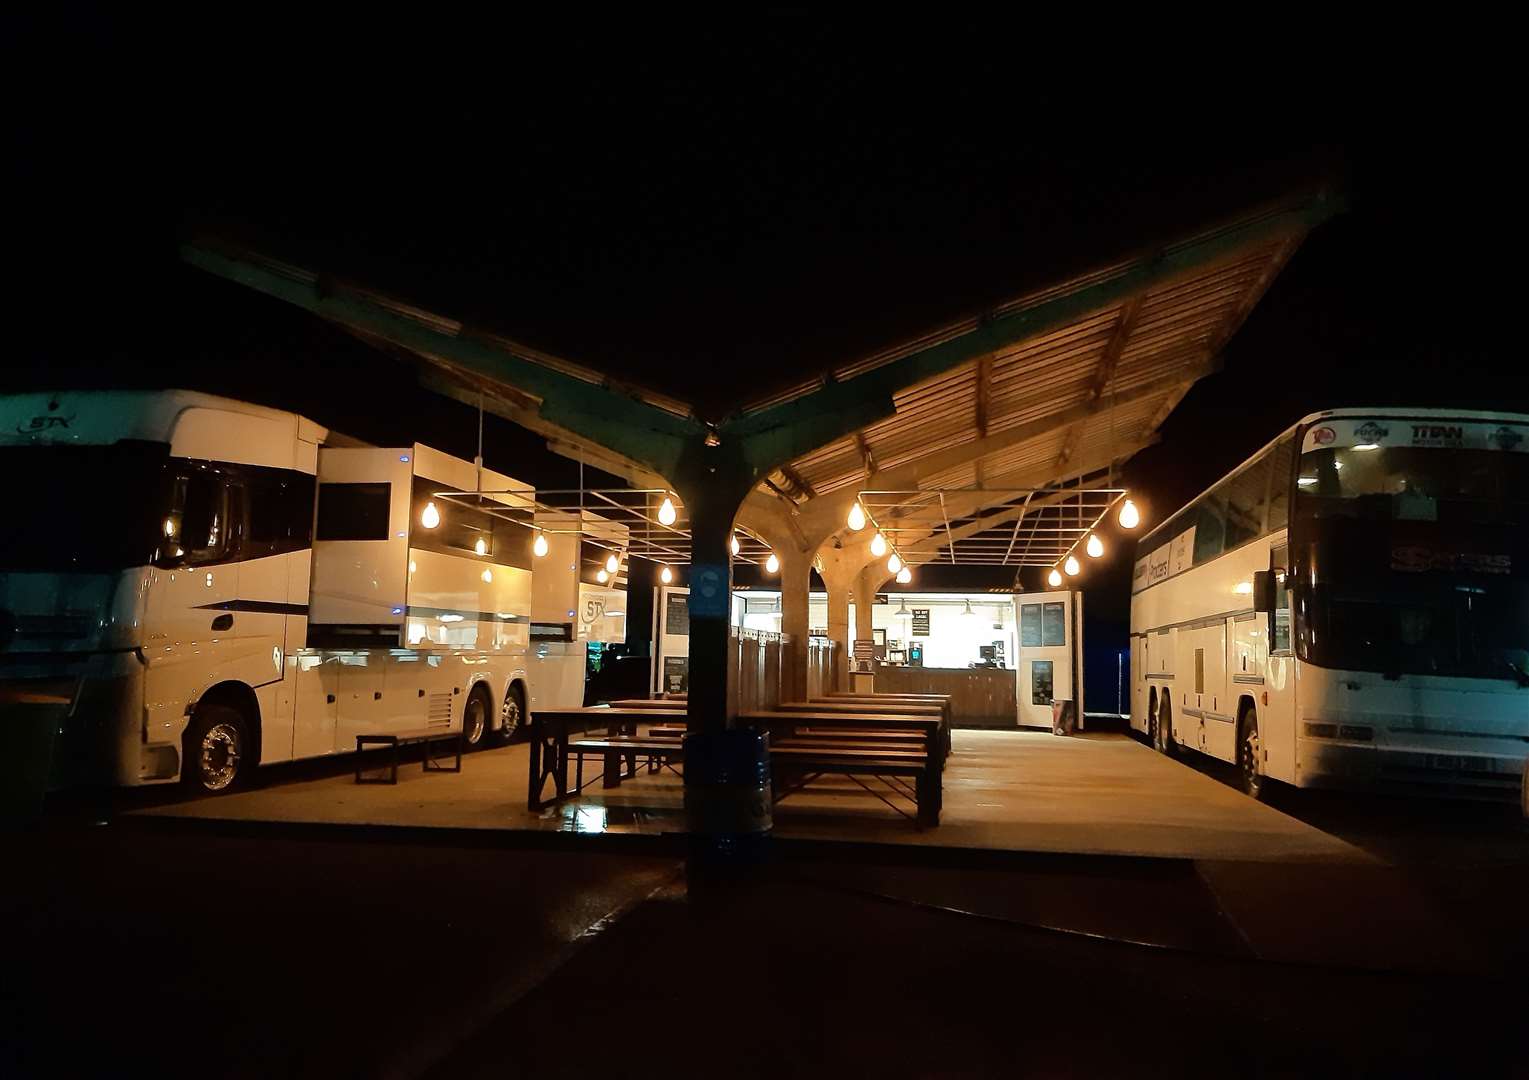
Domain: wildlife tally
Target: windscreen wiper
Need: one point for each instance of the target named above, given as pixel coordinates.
(1519, 674)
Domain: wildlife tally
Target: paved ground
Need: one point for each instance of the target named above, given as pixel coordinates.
(1016, 791)
(173, 949)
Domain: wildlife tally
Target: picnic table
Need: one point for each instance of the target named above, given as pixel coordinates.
(550, 729)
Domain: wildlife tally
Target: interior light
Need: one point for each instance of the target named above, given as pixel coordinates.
(481, 547)
(666, 514)
(451, 618)
(612, 564)
(1054, 578)
(856, 517)
(736, 546)
(169, 526)
(1306, 481)
(894, 564)
(1071, 566)
(1243, 588)
(968, 613)
(1130, 517)
(412, 567)
(904, 576)
(539, 545)
(488, 576)
(1367, 446)
(666, 575)
(1095, 546)
(602, 577)
(878, 545)
(772, 564)
(431, 517)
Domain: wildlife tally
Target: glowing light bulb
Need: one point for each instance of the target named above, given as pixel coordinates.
(431, 517)
(169, 526)
(772, 564)
(602, 577)
(856, 517)
(612, 564)
(1130, 517)
(1054, 578)
(1071, 566)
(412, 567)
(736, 546)
(488, 576)
(894, 564)
(481, 546)
(878, 545)
(666, 514)
(1095, 546)
(904, 576)
(666, 575)
(539, 545)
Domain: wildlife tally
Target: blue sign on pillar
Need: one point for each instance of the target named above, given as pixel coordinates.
(708, 592)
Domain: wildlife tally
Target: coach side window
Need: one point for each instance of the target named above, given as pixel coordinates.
(197, 529)
(1279, 618)
(280, 512)
(1281, 460)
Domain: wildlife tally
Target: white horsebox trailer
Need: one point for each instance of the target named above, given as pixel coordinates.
(217, 585)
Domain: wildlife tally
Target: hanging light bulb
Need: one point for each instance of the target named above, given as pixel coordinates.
(1130, 517)
(488, 576)
(968, 613)
(480, 545)
(1054, 578)
(1095, 546)
(666, 575)
(736, 546)
(856, 517)
(1071, 566)
(902, 612)
(772, 564)
(602, 577)
(894, 564)
(539, 545)
(666, 514)
(612, 564)
(431, 516)
(878, 545)
(904, 576)
(169, 526)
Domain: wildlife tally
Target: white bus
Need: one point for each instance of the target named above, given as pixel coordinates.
(214, 585)
(1350, 606)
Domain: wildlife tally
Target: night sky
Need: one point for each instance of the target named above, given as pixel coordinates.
(713, 212)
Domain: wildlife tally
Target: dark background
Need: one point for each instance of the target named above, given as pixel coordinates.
(715, 210)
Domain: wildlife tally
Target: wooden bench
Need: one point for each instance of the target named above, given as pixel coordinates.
(663, 704)
(926, 721)
(793, 767)
(549, 746)
(891, 703)
(426, 737)
(616, 748)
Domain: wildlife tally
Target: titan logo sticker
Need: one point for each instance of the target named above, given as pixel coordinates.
(1371, 432)
(1437, 435)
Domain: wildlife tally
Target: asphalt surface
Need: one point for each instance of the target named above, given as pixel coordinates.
(174, 950)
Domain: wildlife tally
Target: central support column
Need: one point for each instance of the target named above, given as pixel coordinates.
(795, 584)
(727, 768)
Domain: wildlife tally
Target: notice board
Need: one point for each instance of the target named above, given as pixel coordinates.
(677, 615)
(920, 622)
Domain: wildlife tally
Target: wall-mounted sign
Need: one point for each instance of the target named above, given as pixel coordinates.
(677, 615)
(676, 674)
(920, 622)
(865, 649)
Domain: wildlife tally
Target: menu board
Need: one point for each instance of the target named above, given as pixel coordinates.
(677, 615)
(920, 622)
(1054, 625)
(676, 674)
(1029, 626)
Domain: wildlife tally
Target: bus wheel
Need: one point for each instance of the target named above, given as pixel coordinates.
(216, 750)
(1152, 736)
(1249, 766)
(1164, 741)
(475, 718)
(512, 718)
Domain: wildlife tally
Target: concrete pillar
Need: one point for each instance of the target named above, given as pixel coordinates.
(838, 630)
(795, 582)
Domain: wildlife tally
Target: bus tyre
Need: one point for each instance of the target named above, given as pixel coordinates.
(216, 751)
(475, 718)
(512, 717)
(1164, 737)
(1250, 770)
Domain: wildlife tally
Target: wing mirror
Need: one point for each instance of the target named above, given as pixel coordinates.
(1263, 590)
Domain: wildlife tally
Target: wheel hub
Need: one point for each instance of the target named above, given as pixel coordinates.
(219, 754)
